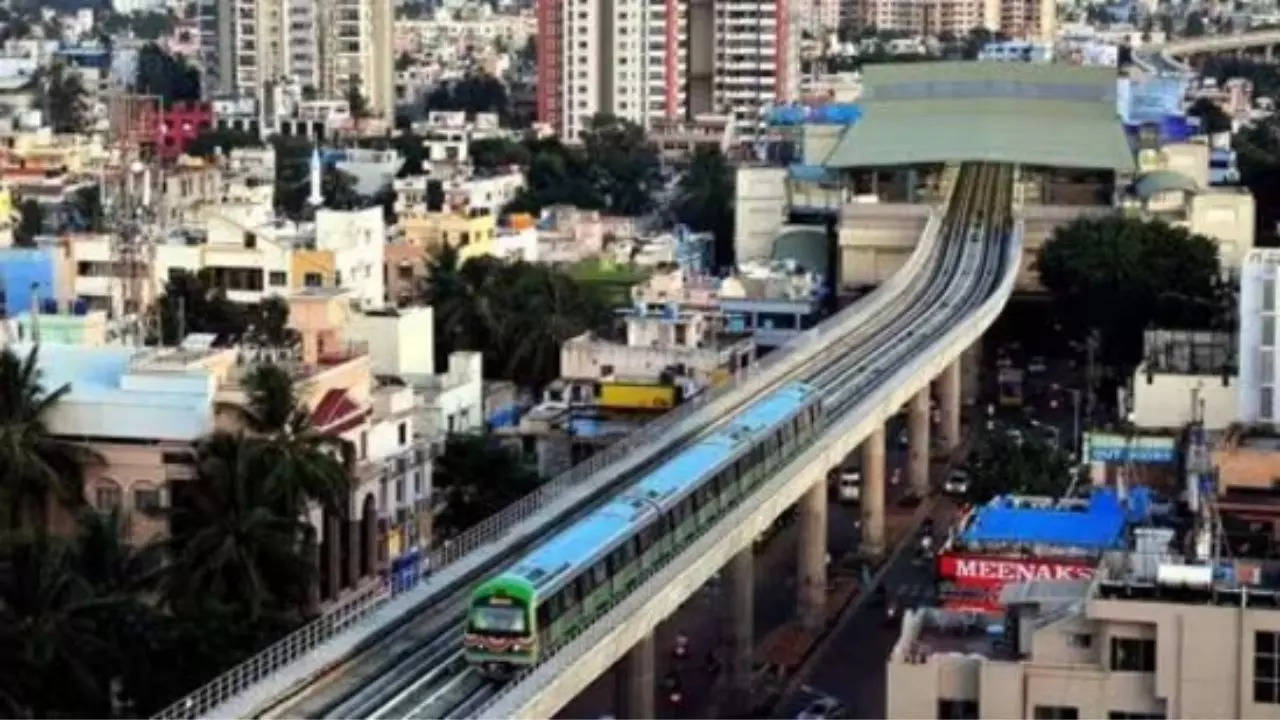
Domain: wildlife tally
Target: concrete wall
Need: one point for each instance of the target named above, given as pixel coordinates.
(875, 239)
(759, 210)
(1163, 400)
(1228, 218)
(399, 343)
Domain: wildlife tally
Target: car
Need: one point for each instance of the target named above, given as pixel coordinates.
(1036, 366)
(849, 486)
(957, 483)
(820, 709)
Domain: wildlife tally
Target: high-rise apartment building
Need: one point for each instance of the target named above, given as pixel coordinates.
(1018, 19)
(1257, 356)
(326, 45)
(662, 59)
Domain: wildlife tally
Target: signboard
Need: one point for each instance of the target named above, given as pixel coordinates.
(1138, 449)
(1149, 100)
(978, 579)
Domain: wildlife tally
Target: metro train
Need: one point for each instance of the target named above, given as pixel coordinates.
(565, 583)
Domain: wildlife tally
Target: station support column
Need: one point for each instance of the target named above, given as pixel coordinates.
(949, 408)
(635, 681)
(741, 631)
(812, 561)
(873, 494)
(918, 442)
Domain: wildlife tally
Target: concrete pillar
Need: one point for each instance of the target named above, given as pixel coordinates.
(635, 680)
(949, 408)
(1267, 52)
(354, 542)
(812, 560)
(873, 494)
(740, 631)
(971, 373)
(918, 442)
(333, 553)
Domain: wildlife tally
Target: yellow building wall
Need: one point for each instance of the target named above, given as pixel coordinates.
(433, 230)
(637, 397)
(311, 261)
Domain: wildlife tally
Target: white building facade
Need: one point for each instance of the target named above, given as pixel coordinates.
(1258, 369)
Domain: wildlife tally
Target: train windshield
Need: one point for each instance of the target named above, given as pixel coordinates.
(499, 620)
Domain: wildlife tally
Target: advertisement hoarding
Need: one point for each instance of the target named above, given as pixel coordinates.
(1149, 100)
(1137, 449)
(977, 579)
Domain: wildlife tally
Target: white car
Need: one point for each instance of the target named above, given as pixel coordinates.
(849, 486)
(957, 483)
(820, 709)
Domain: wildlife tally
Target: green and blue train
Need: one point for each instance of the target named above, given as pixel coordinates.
(563, 584)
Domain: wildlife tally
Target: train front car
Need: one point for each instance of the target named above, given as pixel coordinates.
(501, 634)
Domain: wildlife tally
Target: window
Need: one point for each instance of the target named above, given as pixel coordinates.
(1266, 666)
(250, 241)
(1133, 654)
(146, 499)
(1081, 641)
(1265, 401)
(417, 482)
(364, 445)
(957, 709)
(402, 433)
(1268, 294)
(1056, 712)
(107, 495)
(279, 278)
(399, 490)
(313, 279)
(1126, 715)
(1268, 330)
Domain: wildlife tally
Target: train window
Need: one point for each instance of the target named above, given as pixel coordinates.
(645, 537)
(672, 521)
(544, 614)
(802, 422)
(571, 594)
(744, 465)
(586, 584)
(600, 573)
(689, 504)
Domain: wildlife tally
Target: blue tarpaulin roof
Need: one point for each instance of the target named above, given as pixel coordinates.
(1100, 525)
(812, 173)
(827, 114)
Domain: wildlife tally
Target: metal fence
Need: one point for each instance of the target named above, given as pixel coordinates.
(284, 651)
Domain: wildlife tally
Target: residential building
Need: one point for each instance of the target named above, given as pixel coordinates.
(1184, 198)
(182, 122)
(186, 188)
(1034, 20)
(400, 340)
(1155, 635)
(73, 325)
(679, 138)
(405, 271)
(471, 233)
(773, 301)
(447, 134)
(1257, 354)
(1185, 377)
(327, 45)
(356, 238)
(667, 60)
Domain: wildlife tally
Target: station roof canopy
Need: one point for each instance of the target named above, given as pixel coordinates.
(1031, 114)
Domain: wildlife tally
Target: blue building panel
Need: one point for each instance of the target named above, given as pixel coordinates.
(23, 271)
(1098, 526)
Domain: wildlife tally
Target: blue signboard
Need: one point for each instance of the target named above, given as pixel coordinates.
(1149, 100)
(1143, 450)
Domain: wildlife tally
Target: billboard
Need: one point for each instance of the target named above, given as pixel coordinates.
(976, 580)
(1149, 100)
(1138, 449)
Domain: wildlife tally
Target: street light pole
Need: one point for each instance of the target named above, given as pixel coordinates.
(1075, 421)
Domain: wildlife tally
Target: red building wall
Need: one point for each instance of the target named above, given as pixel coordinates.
(181, 124)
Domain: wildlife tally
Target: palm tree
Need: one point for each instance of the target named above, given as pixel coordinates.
(51, 632)
(549, 308)
(231, 544)
(303, 463)
(33, 464)
(705, 200)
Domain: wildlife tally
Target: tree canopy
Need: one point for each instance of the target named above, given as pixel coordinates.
(1000, 464)
(517, 313)
(1212, 118)
(616, 170)
(474, 93)
(476, 475)
(64, 99)
(1122, 275)
(1257, 149)
(705, 200)
(160, 73)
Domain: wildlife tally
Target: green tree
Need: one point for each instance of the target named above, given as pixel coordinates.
(35, 467)
(190, 304)
(1257, 149)
(411, 149)
(494, 153)
(1195, 25)
(85, 207)
(64, 99)
(624, 164)
(30, 222)
(56, 657)
(339, 190)
(473, 93)
(1121, 275)
(304, 463)
(268, 323)
(705, 200)
(356, 101)
(160, 73)
(475, 475)
(1031, 466)
(1212, 118)
(235, 543)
